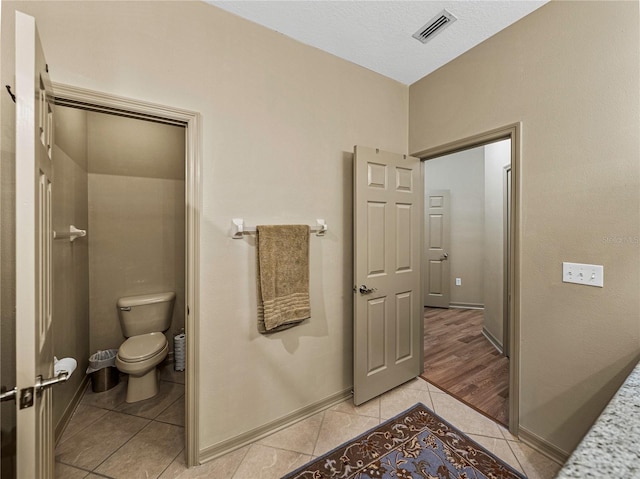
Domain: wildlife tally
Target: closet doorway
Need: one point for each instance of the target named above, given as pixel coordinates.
(141, 172)
(470, 329)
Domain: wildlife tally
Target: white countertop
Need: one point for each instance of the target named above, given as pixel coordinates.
(611, 448)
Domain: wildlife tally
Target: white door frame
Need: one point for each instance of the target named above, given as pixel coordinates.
(514, 133)
(193, 200)
(507, 217)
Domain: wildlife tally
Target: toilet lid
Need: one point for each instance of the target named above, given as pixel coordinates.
(144, 346)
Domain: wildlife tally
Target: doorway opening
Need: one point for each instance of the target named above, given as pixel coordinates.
(470, 271)
(181, 213)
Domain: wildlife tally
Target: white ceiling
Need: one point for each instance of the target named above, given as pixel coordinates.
(378, 34)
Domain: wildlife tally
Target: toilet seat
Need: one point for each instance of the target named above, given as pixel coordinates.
(142, 347)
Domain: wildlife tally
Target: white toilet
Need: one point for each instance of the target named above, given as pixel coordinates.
(143, 320)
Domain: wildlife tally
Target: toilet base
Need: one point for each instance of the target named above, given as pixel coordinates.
(142, 387)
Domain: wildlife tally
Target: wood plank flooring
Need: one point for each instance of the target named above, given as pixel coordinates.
(460, 360)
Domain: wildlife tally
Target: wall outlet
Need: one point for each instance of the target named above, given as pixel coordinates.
(458, 281)
(589, 274)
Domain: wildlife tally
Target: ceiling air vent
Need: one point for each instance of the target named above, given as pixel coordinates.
(435, 26)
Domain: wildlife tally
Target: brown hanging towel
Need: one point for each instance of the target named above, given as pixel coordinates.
(282, 276)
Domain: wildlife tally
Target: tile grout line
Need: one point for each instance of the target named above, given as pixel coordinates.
(244, 456)
(315, 443)
(121, 446)
(171, 462)
(85, 427)
(516, 456)
(88, 471)
(165, 409)
(433, 406)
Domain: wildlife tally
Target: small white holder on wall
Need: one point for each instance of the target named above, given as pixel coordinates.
(73, 234)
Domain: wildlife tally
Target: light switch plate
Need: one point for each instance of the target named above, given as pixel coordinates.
(589, 274)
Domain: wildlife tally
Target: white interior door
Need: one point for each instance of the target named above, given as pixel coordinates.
(437, 239)
(34, 355)
(388, 324)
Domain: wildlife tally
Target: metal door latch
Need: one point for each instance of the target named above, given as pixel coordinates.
(42, 384)
(8, 395)
(366, 290)
(27, 395)
(26, 398)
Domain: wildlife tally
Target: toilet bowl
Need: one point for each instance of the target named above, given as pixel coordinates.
(138, 357)
(143, 320)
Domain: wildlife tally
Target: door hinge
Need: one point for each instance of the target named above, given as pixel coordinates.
(46, 67)
(13, 97)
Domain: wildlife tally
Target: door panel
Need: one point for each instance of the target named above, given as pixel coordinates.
(437, 289)
(376, 338)
(403, 241)
(375, 232)
(34, 353)
(387, 238)
(404, 326)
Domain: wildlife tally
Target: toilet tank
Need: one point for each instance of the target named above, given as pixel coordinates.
(147, 313)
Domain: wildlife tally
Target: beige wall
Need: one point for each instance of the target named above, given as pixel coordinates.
(136, 247)
(131, 147)
(280, 120)
(569, 73)
(463, 175)
(70, 259)
(496, 156)
(136, 219)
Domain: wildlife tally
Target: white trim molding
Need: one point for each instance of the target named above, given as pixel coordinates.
(63, 422)
(108, 103)
(492, 339)
(226, 446)
(545, 448)
(514, 133)
(466, 306)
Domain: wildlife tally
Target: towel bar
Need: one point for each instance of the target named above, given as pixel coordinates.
(238, 228)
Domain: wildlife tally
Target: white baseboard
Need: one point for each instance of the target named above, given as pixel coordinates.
(545, 448)
(224, 447)
(63, 422)
(493, 340)
(466, 306)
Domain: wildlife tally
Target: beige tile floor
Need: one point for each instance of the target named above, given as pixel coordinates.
(109, 438)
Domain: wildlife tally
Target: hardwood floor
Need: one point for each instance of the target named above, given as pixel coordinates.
(460, 360)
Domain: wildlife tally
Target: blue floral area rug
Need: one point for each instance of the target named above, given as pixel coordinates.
(416, 444)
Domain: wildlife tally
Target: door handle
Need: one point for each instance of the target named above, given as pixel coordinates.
(444, 257)
(47, 383)
(366, 290)
(26, 396)
(8, 395)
